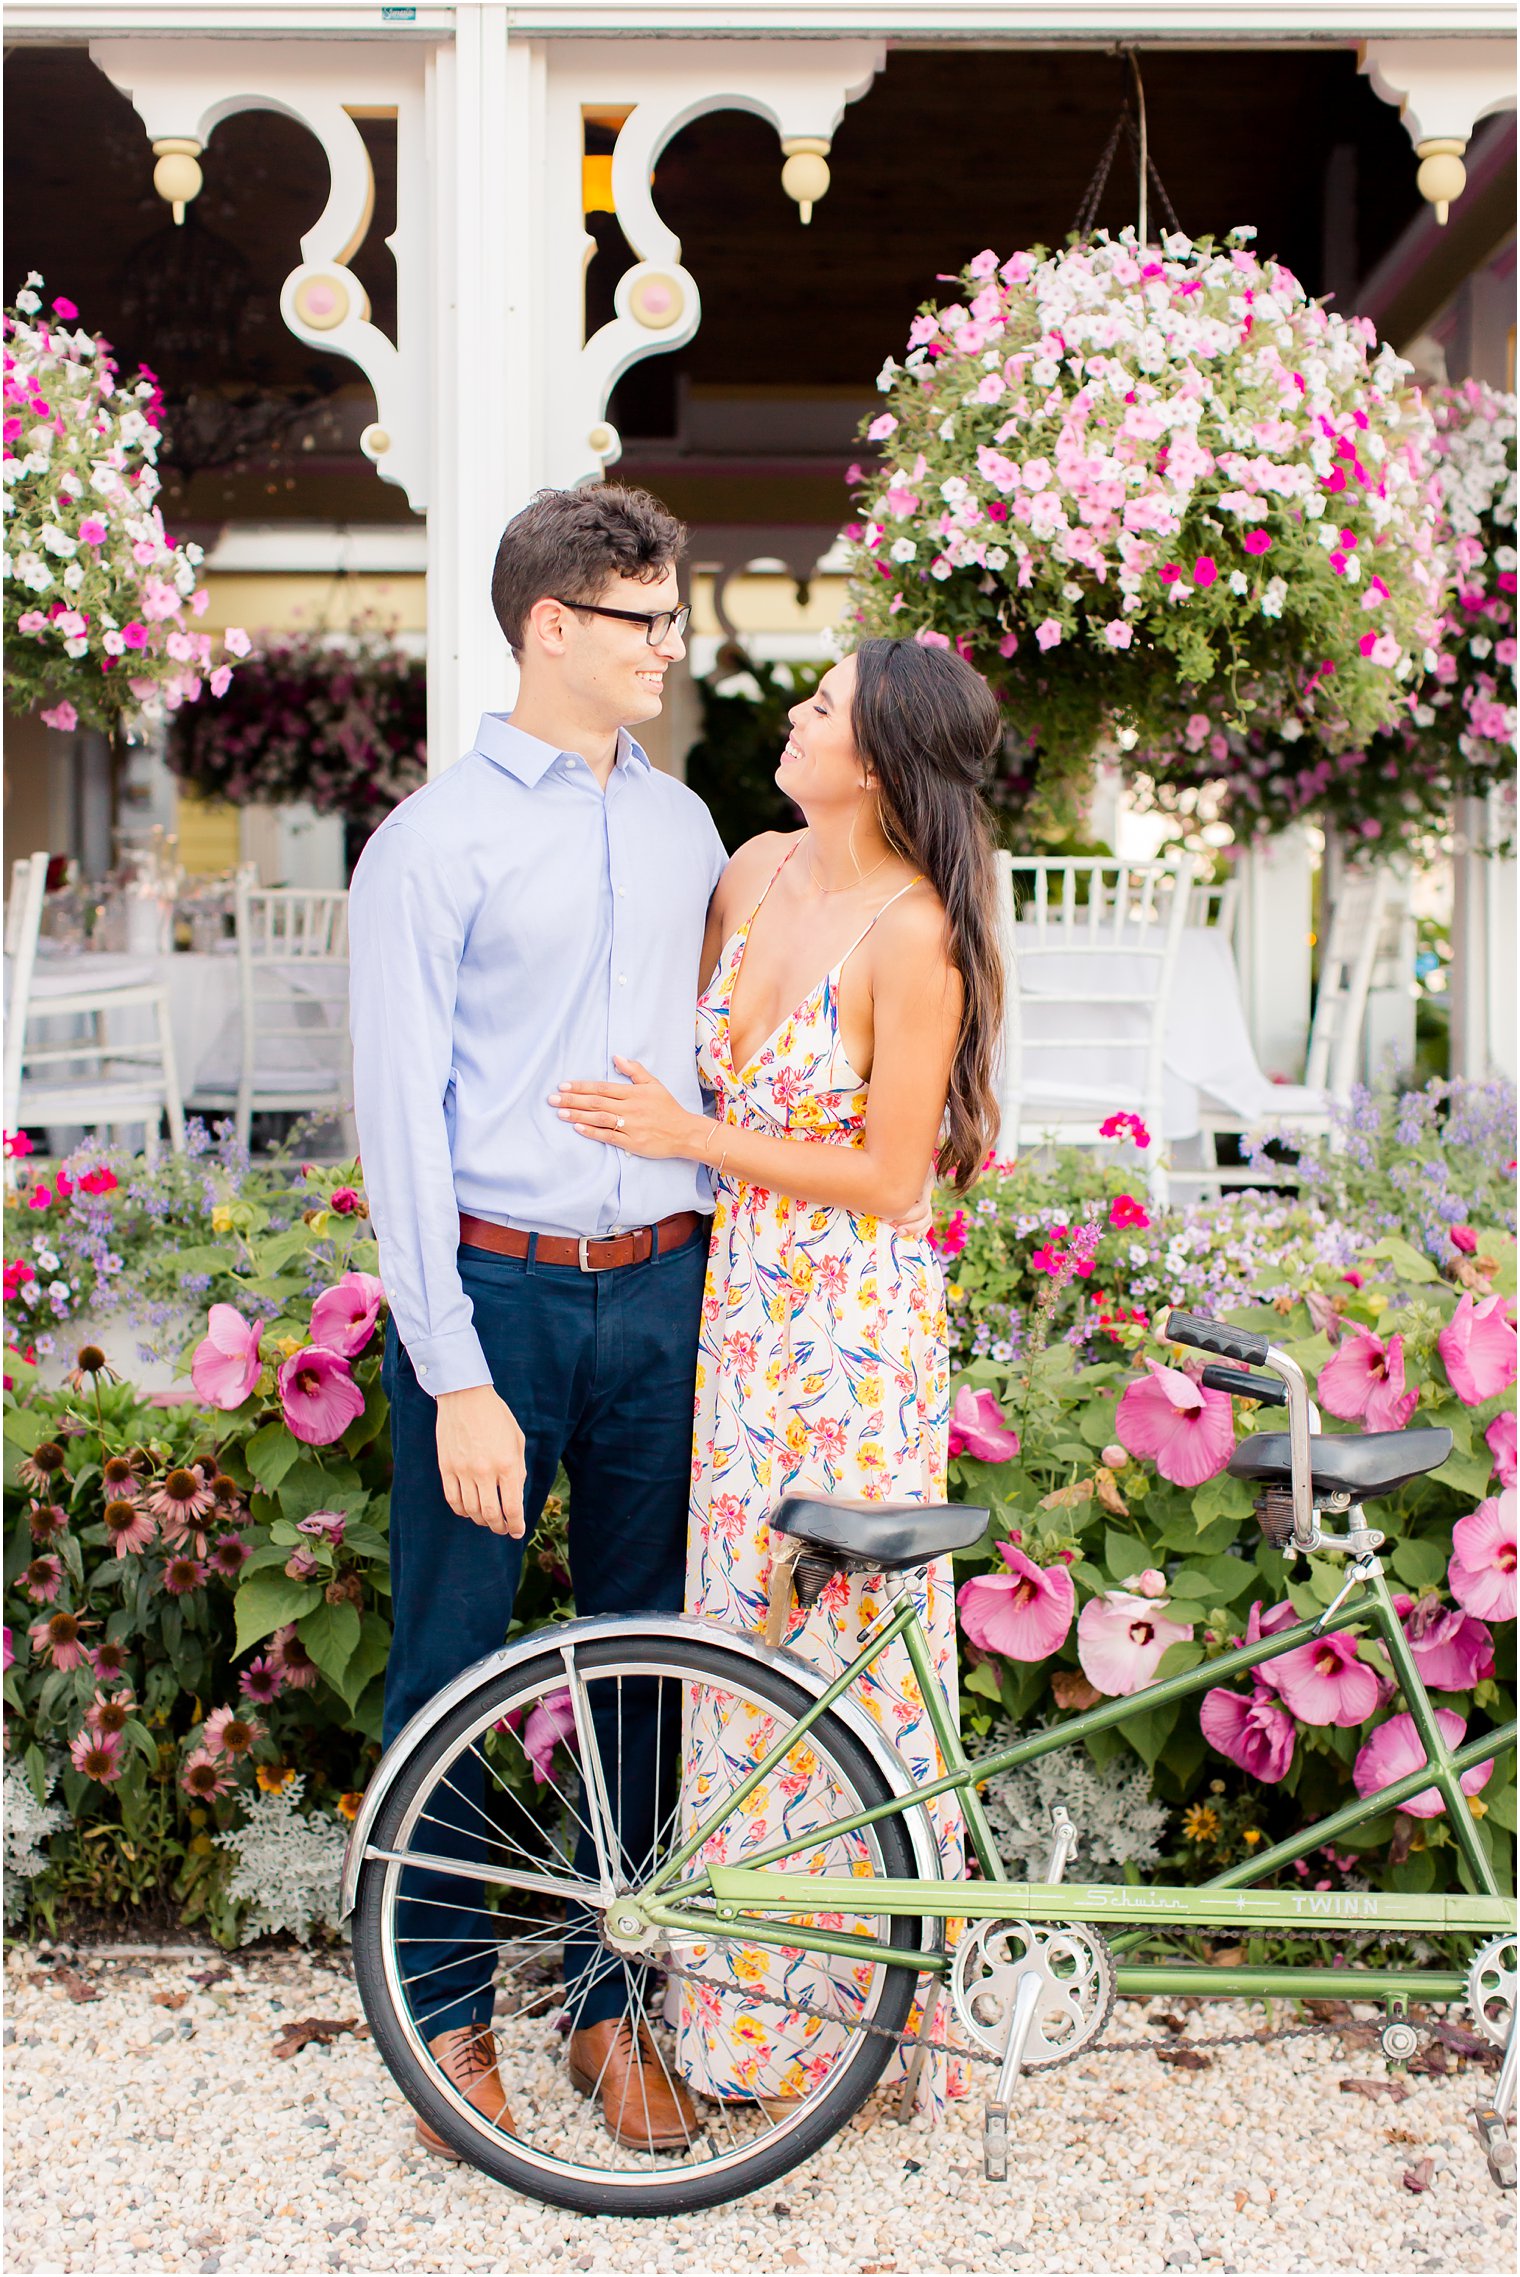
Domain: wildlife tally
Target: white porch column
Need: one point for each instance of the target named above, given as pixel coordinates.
(1274, 951)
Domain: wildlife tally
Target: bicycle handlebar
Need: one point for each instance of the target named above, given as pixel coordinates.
(1264, 1388)
(1214, 1336)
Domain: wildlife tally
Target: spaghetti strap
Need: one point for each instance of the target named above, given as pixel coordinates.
(886, 905)
(776, 872)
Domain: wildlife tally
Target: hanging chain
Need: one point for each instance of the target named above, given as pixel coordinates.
(1147, 175)
(1258, 2037)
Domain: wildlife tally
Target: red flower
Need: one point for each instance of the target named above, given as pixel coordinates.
(1126, 1211)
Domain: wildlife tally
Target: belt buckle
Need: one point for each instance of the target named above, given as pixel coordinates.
(583, 1255)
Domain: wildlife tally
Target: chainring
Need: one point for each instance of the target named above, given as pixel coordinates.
(1075, 1971)
(1491, 1989)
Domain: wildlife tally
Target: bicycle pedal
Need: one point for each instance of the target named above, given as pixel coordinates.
(1498, 2146)
(995, 2143)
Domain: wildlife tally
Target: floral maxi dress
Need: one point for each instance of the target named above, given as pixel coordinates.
(822, 1367)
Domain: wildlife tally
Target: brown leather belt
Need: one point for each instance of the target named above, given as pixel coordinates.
(635, 1247)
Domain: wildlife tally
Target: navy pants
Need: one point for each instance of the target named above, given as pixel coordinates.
(599, 1370)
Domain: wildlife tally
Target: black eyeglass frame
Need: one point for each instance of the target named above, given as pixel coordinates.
(674, 620)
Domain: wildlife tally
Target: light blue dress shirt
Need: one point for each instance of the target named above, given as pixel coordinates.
(511, 925)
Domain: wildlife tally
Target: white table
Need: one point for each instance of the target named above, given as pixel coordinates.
(1206, 1045)
(204, 1012)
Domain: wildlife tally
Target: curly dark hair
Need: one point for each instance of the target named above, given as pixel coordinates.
(571, 543)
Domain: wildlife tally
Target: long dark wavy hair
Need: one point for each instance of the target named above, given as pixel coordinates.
(928, 726)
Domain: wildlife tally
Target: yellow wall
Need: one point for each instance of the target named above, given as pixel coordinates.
(263, 601)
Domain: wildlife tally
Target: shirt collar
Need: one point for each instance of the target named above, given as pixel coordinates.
(529, 759)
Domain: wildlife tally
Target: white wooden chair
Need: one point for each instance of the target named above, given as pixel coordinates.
(1090, 947)
(293, 1047)
(87, 1076)
(1353, 943)
(1215, 907)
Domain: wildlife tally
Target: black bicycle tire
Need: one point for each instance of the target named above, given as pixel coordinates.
(773, 2157)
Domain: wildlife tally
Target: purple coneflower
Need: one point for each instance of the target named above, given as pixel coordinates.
(229, 1496)
(43, 1468)
(128, 1527)
(108, 1660)
(97, 1756)
(43, 1579)
(228, 1555)
(182, 1574)
(228, 1733)
(262, 1681)
(47, 1520)
(120, 1475)
(291, 1658)
(180, 1505)
(60, 1638)
(91, 1362)
(204, 1778)
(110, 1712)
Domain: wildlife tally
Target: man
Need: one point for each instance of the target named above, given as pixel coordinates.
(537, 910)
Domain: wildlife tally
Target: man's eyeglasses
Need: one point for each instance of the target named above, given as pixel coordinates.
(658, 624)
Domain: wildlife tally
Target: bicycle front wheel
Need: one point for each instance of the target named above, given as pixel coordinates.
(579, 1770)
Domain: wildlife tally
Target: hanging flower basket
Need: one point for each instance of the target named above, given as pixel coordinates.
(99, 601)
(1116, 470)
(1455, 737)
(338, 722)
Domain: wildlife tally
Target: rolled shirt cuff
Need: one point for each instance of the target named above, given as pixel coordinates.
(448, 1363)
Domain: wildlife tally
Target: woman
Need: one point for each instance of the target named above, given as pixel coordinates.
(823, 1363)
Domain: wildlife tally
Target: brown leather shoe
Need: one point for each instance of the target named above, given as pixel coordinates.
(642, 2104)
(467, 2058)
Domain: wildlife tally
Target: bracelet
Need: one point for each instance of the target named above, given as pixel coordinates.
(717, 1168)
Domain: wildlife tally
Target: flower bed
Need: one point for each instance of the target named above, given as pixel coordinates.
(197, 1588)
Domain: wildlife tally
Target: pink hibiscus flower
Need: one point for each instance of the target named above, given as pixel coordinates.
(1481, 1575)
(1189, 1432)
(343, 1317)
(1366, 1377)
(1477, 1348)
(977, 1428)
(1394, 1751)
(318, 1395)
(551, 1720)
(1025, 1613)
(1323, 1682)
(1501, 1445)
(1121, 1638)
(1453, 1650)
(225, 1365)
(1252, 1730)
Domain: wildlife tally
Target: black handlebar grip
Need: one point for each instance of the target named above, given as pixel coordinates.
(1265, 1388)
(1214, 1336)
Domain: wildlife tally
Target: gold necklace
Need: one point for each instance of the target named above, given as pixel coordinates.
(854, 882)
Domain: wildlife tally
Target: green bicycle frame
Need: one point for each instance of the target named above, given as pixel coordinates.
(748, 1897)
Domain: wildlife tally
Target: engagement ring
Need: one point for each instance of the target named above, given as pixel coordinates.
(617, 1122)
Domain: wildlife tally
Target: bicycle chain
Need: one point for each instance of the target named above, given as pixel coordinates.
(1101, 2047)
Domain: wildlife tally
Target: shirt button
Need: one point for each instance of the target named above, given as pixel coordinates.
(622, 980)
(422, 1368)
(622, 893)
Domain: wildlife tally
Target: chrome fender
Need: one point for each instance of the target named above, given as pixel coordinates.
(926, 1859)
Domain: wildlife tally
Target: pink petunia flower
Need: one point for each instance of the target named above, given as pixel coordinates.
(1366, 1377)
(1481, 1575)
(318, 1395)
(551, 1721)
(1323, 1682)
(1121, 1638)
(92, 531)
(226, 1364)
(1501, 1445)
(1477, 1348)
(1205, 570)
(1024, 1614)
(1252, 1730)
(1048, 635)
(1187, 1431)
(61, 715)
(1256, 541)
(977, 1428)
(343, 1317)
(1453, 1650)
(1394, 1750)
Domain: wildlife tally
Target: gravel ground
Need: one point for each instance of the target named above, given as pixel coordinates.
(153, 2128)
